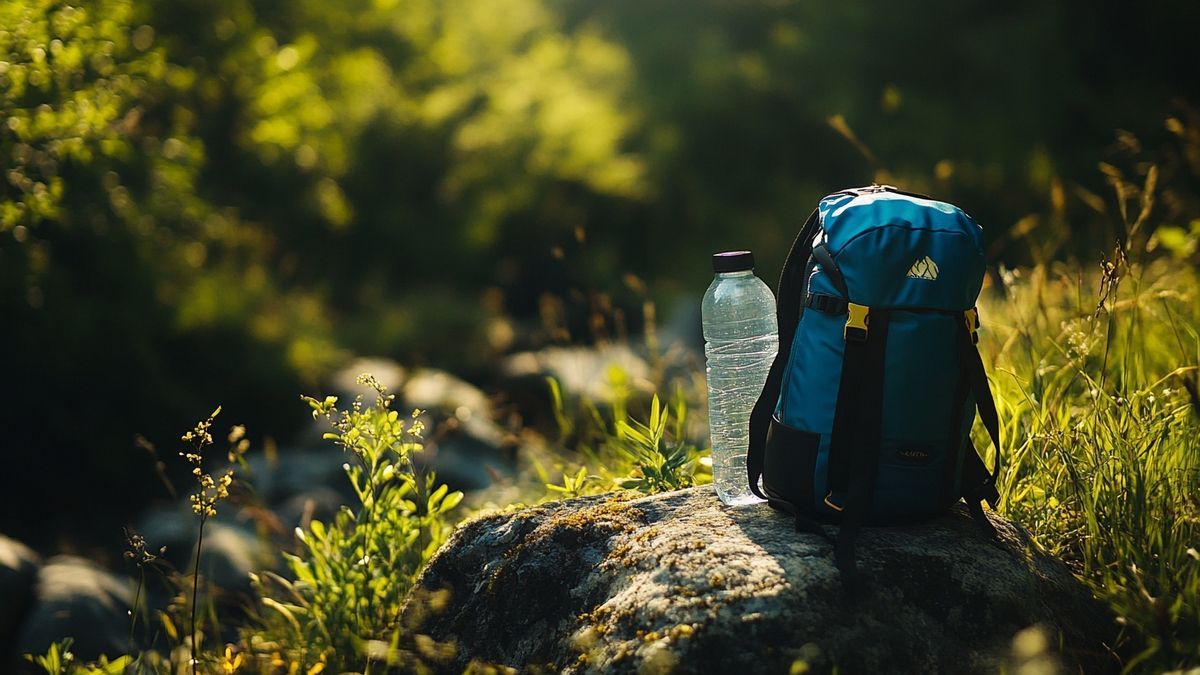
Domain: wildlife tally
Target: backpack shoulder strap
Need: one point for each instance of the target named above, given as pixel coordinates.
(788, 307)
(979, 484)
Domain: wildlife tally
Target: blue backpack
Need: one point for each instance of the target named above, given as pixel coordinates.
(867, 411)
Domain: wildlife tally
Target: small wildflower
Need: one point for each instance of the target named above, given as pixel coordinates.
(237, 433)
(211, 491)
(230, 662)
(137, 549)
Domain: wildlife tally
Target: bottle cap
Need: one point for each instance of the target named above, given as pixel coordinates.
(732, 261)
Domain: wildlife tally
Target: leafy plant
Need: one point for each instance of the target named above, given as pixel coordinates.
(657, 464)
(351, 577)
(626, 453)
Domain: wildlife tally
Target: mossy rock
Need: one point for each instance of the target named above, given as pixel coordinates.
(679, 583)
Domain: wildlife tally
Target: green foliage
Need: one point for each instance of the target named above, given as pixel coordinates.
(69, 77)
(256, 188)
(57, 659)
(658, 466)
(1101, 405)
(352, 576)
(649, 457)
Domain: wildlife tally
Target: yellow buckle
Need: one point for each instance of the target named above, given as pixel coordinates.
(857, 318)
(971, 317)
(830, 504)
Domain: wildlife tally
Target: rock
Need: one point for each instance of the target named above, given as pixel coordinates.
(78, 599)
(463, 444)
(582, 371)
(296, 471)
(18, 581)
(319, 503)
(677, 582)
(231, 551)
(683, 324)
(387, 372)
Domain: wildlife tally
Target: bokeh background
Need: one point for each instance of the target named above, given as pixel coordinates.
(210, 202)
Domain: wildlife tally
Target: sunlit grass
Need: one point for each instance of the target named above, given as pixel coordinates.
(1102, 441)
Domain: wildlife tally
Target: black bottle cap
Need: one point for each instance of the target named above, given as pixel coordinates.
(732, 261)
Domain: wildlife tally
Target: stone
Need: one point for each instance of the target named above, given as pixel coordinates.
(18, 581)
(296, 471)
(78, 599)
(463, 444)
(582, 374)
(582, 371)
(677, 582)
(385, 371)
(231, 550)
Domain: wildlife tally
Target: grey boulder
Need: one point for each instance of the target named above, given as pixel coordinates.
(78, 599)
(679, 583)
(231, 552)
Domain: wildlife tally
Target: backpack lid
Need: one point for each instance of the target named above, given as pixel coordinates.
(898, 250)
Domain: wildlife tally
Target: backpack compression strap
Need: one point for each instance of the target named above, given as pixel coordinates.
(857, 429)
(788, 309)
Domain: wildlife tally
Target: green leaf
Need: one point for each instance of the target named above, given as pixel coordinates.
(437, 495)
(318, 529)
(451, 500)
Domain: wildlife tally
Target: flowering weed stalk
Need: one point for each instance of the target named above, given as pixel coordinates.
(204, 501)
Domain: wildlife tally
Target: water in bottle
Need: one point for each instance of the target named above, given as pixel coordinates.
(741, 337)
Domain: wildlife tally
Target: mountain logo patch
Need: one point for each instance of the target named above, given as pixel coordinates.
(925, 268)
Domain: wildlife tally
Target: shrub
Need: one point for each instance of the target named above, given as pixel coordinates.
(352, 576)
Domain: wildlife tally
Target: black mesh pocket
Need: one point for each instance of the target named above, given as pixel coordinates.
(788, 464)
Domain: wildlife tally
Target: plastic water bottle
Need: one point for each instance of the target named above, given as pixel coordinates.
(741, 337)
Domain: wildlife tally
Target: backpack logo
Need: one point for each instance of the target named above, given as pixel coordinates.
(924, 268)
(913, 455)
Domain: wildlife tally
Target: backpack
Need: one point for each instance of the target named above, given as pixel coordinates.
(866, 414)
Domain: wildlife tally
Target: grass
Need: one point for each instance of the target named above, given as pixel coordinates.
(1098, 397)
